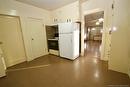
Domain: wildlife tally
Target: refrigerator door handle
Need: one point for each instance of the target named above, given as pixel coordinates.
(71, 40)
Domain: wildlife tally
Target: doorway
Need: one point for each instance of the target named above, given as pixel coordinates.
(11, 40)
(93, 34)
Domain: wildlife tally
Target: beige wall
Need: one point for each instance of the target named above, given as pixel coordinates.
(119, 42)
(70, 11)
(12, 7)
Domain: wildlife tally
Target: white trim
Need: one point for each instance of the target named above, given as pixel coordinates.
(30, 58)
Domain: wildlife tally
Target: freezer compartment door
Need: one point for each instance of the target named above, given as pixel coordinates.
(65, 28)
(65, 45)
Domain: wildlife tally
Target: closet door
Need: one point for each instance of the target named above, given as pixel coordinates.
(37, 38)
(11, 39)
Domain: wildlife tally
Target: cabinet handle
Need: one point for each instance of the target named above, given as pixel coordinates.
(32, 39)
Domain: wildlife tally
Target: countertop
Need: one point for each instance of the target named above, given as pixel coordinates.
(54, 39)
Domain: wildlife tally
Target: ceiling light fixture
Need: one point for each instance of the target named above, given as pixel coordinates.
(101, 30)
(93, 29)
(101, 20)
(97, 23)
(88, 30)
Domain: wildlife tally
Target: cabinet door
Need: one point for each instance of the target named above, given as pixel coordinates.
(37, 37)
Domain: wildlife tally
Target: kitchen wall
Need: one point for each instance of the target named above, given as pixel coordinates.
(12, 7)
(119, 42)
(70, 11)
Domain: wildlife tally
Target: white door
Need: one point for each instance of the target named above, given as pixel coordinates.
(65, 45)
(12, 42)
(37, 37)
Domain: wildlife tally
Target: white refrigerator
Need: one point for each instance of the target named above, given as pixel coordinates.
(69, 40)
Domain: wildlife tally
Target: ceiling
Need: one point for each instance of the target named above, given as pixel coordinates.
(91, 19)
(47, 4)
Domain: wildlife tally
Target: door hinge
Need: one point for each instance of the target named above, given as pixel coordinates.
(112, 6)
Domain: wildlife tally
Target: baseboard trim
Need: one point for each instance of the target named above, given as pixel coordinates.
(12, 63)
(30, 59)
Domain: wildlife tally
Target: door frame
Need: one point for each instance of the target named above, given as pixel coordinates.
(22, 37)
(103, 35)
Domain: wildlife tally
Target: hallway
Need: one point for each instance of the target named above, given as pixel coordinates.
(92, 49)
(53, 71)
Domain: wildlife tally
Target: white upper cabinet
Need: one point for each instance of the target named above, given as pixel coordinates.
(69, 13)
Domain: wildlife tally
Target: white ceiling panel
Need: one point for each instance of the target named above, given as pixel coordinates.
(47, 4)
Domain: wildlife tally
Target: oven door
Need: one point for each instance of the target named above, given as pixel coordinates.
(53, 44)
